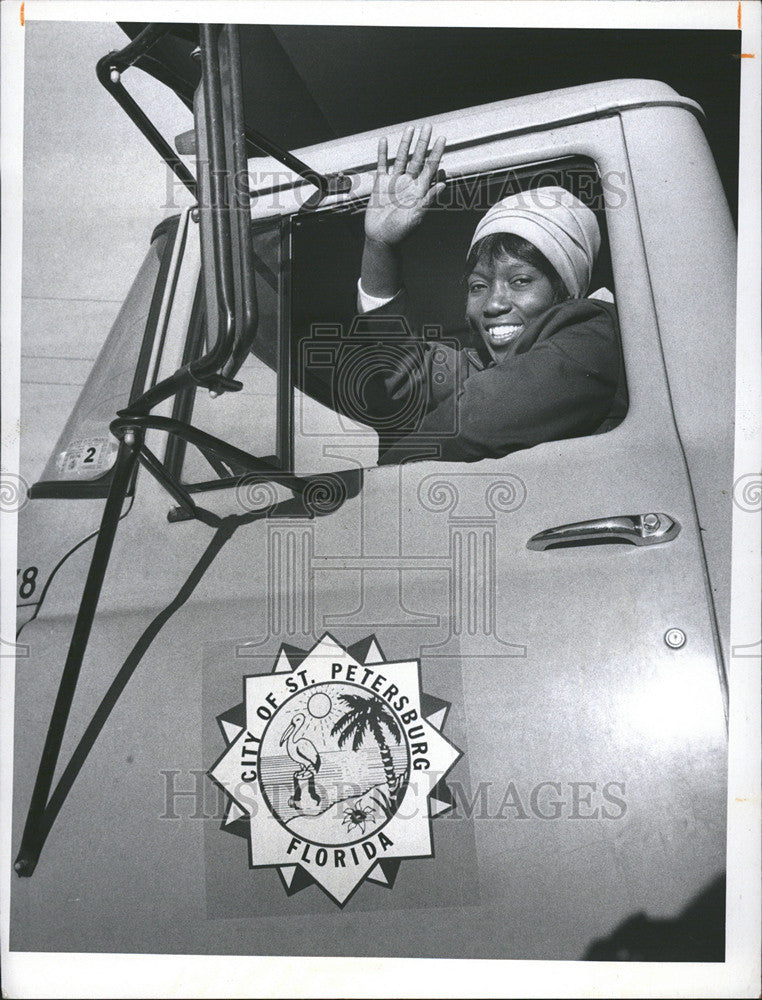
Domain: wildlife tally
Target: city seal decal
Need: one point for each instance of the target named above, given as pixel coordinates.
(335, 766)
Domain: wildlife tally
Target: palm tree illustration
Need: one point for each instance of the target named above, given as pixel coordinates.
(369, 716)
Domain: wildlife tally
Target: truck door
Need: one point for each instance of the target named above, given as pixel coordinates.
(580, 681)
(582, 666)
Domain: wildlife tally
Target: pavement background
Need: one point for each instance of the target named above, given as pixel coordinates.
(86, 229)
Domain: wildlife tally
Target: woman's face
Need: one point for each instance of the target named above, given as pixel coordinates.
(504, 295)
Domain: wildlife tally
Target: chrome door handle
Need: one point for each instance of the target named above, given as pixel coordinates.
(637, 529)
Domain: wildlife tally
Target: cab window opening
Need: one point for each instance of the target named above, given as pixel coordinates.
(395, 390)
(306, 396)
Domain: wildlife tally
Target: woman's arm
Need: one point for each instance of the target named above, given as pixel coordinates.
(380, 273)
(398, 201)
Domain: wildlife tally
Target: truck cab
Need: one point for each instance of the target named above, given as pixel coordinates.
(567, 605)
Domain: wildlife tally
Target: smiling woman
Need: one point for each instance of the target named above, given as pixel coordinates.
(546, 364)
(509, 285)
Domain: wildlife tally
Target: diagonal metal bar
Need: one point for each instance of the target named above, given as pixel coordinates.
(31, 842)
(151, 463)
(27, 859)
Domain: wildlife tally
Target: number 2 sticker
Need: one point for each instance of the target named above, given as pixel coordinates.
(87, 458)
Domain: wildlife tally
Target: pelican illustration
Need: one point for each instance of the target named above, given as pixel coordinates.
(304, 753)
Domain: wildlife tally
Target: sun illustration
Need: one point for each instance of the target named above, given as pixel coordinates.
(319, 705)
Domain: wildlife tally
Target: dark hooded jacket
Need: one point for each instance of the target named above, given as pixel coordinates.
(563, 378)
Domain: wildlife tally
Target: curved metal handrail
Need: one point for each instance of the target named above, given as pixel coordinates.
(127, 422)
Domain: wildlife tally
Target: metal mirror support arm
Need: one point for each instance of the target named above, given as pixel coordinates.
(248, 314)
(109, 71)
(128, 427)
(236, 326)
(226, 218)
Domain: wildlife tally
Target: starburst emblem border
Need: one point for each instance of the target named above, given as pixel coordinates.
(249, 815)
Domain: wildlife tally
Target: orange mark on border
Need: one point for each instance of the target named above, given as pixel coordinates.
(743, 55)
(739, 15)
(21, 15)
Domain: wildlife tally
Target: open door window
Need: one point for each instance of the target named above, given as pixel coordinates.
(307, 378)
(339, 365)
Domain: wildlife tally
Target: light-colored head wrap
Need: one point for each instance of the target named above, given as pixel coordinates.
(563, 229)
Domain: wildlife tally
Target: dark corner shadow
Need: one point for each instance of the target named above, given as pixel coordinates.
(696, 935)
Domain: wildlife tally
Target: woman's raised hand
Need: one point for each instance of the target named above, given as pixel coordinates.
(400, 196)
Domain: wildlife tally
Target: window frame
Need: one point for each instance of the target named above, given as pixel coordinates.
(194, 346)
(285, 403)
(524, 176)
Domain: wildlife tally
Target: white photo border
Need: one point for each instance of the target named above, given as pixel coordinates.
(103, 975)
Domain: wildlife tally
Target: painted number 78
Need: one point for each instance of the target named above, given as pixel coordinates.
(28, 583)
